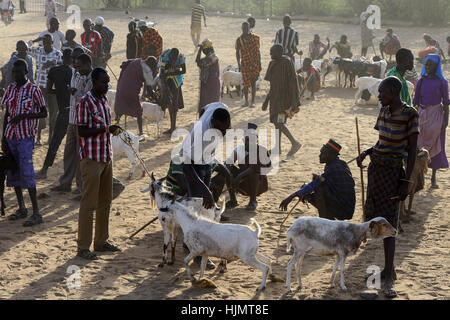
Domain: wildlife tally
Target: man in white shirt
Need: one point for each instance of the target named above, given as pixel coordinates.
(53, 30)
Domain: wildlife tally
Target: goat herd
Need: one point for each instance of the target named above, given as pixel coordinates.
(205, 236)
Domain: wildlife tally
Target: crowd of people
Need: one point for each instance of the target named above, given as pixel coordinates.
(70, 89)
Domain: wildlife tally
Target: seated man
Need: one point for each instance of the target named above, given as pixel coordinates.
(247, 178)
(310, 79)
(390, 44)
(333, 192)
(317, 49)
(343, 48)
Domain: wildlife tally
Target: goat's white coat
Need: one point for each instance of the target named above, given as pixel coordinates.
(372, 84)
(152, 112)
(120, 147)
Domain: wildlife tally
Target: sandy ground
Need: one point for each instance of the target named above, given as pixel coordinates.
(34, 262)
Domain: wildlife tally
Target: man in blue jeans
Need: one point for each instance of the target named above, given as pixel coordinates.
(197, 164)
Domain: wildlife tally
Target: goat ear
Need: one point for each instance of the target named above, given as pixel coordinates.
(153, 177)
(145, 190)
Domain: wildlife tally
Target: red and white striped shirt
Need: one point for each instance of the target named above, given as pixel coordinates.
(94, 113)
(93, 43)
(27, 99)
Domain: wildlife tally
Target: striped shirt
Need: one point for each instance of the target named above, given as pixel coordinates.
(107, 39)
(94, 113)
(394, 130)
(83, 84)
(27, 99)
(197, 12)
(42, 58)
(92, 43)
(288, 38)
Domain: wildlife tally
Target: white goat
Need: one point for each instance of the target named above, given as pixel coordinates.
(208, 238)
(152, 112)
(372, 84)
(171, 228)
(232, 79)
(111, 95)
(322, 237)
(120, 147)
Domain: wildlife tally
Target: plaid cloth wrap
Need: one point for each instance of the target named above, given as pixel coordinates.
(250, 58)
(151, 37)
(384, 176)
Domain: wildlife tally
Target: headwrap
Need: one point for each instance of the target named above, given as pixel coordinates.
(99, 21)
(206, 44)
(436, 59)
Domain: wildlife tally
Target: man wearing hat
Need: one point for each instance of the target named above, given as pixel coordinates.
(333, 192)
(107, 39)
(249, 176)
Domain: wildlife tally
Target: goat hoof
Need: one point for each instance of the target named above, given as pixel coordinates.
(344, 288)
(260, 289)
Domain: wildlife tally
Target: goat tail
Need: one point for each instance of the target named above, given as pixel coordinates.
(289, 243)
(258, 228)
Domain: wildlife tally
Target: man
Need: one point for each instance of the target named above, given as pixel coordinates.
(398, 126)
(152, 42)
(24, 106)
(50, 11)
(366, 33)
(433, 47)
(22, 6)
(249, 177)
(134, 41)
(46, 57)
(311, 78)
(405, 62)
(333, 192)
(93, 118)
(92, 40)
(134, 73)
(59, 77)
(249, 61)
(70, 42)
(196, 161)
(343, 48)
(53, 30)
(288, 38)
(107, 40)
(318, 49)
(21, 53)
(284, 95)
(252, 23)
(80, 85)
(196, 22)
(390, 44)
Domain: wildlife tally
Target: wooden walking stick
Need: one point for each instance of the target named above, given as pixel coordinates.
(290, 212)
(362, 172)
(143, 227)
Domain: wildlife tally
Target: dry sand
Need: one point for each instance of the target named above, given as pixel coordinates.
(34, 262)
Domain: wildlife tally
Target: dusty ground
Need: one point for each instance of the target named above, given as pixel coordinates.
(34, 262)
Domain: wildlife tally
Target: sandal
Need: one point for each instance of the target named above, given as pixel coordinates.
(35, 219)
(19, 214)
(86, 254)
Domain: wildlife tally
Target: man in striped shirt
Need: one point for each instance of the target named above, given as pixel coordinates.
(196, 22)
(388, 183)
(93, 117)
(92, 40)
(24, 106)
(288, 38)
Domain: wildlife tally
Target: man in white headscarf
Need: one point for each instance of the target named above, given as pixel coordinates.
(107, 39)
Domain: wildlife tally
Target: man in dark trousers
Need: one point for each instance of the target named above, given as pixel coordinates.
(333, 192)
(60, 78)
(398, 127)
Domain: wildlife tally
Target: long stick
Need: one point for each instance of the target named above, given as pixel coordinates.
(111, 71)
(290, 212)
(362, 172)
(143, 227)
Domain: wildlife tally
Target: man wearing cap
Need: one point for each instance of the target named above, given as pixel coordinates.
(249, 177)
(333, 192)
(152, 42)
(107, 40)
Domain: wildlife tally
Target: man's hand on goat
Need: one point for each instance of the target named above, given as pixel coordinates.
(115, 130)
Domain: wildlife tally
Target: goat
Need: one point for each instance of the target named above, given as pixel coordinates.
(232, 79)
(371, 85)
(152, 112)
(208, 238)
(111, 95)
(322, 237)
(171, 228)
(120, 147)
(421, 166)
(342, 65)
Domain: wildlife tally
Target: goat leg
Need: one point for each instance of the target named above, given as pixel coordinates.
(188, 259)
(411, 198)
(343, 287)
(203, 266)
(174, 244)
(333, 276)
(223, 266)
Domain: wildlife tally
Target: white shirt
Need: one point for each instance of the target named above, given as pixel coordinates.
(148, 75)
(58, 38)
(5, 5)
(196, 143)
